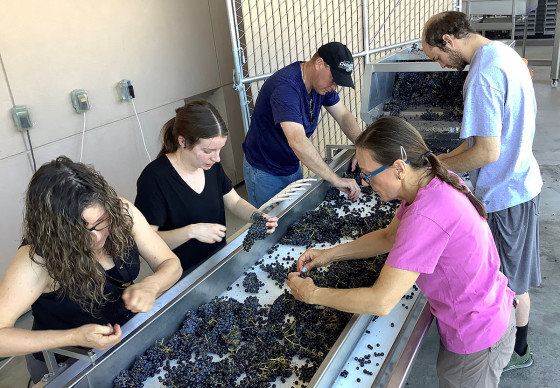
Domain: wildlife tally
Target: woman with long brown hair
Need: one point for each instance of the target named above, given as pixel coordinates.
(77, 265)
(439, 238)
(184, 192)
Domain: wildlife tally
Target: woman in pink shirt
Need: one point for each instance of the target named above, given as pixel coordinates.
(438, 239)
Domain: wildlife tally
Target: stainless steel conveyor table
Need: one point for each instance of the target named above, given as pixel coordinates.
(399, 342)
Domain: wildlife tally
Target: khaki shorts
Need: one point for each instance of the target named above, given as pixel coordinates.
(477, 370)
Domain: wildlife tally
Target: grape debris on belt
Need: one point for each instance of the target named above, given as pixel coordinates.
(240, 343)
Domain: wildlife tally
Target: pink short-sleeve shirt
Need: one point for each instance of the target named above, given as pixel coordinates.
(442, 236)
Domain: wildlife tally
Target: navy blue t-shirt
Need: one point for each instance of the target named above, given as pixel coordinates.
(283, 97)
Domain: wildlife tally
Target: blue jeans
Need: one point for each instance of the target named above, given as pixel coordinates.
(261, 186)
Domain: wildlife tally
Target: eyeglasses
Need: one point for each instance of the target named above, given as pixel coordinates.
(311, 109)
(104, 223)
(366, 178)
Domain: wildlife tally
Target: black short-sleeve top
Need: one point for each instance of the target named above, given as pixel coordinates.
(167, 201)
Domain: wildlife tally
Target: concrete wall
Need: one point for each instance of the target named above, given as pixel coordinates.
(170, 50)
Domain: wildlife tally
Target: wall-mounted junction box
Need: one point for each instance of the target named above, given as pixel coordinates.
(22, 117)
(125, 90)
(80, 100)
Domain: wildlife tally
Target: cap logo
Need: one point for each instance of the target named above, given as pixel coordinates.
(346, 65)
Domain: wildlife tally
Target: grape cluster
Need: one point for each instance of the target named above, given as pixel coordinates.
(429, 115)
(334, 194)
(252, 283)
(354, 175)
(454, 114)
(146, 365)
(430, 89)
(260, 343)
(317, 226)
(278, 272)
(348, 274)
(257, 231)
(324, 225)
(334, 198)
(442, 147)
(366, 359)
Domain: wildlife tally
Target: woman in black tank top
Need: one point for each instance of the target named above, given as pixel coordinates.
(77, 263)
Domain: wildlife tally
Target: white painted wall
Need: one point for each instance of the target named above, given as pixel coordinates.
(170, 50)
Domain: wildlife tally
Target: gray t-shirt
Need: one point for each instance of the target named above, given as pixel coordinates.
(500, 101)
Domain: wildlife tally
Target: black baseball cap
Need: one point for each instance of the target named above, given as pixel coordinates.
(340, 60)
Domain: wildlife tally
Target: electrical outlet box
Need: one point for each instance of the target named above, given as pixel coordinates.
(22, 117)
(125, 91)
(80, 100)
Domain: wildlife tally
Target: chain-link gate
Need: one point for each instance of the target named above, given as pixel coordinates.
(268, 35)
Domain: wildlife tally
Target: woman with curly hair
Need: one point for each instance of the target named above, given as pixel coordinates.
(77, 264)
(438, 239)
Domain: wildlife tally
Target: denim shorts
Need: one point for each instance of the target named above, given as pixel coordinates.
(261, 186)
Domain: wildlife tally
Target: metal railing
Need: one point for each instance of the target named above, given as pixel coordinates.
(268, 35)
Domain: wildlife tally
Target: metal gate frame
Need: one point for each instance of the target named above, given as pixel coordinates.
(242, 77)
(252, 22)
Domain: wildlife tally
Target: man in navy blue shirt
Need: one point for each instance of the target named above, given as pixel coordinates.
(285, 116)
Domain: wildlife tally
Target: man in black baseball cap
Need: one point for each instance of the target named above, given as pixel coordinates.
(340, 61)
(286, 113)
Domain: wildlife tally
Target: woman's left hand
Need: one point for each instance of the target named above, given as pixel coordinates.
(271, 223)
(301, 288)
(139, 297)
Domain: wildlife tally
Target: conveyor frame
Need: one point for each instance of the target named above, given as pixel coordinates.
(212, 278)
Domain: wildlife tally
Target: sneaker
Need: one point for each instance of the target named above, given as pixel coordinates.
(517, 362)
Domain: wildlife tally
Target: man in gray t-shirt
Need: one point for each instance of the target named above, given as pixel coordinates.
(498, 128)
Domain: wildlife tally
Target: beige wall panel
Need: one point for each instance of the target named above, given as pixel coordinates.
(12, 140)
(15, 173)
(226, 154)
(222, 40)
(235, 127)
(226, 100)
(115, 150)
(50, 48)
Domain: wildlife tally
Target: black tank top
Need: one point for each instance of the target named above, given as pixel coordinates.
(51, 311)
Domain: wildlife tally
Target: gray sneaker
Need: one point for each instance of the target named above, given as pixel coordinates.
(517, 362)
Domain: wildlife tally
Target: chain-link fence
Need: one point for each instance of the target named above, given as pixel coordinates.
(268, 35)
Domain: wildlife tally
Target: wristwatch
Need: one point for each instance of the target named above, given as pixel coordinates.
(256, 216)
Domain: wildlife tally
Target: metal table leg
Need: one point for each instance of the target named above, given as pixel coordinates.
(555, 64)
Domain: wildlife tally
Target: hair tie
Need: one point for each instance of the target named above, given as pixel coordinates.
(427, 154)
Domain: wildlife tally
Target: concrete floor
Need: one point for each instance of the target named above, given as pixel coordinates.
(13, 371)
(545, 314)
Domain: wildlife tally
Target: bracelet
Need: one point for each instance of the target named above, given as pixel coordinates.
(256, 216)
